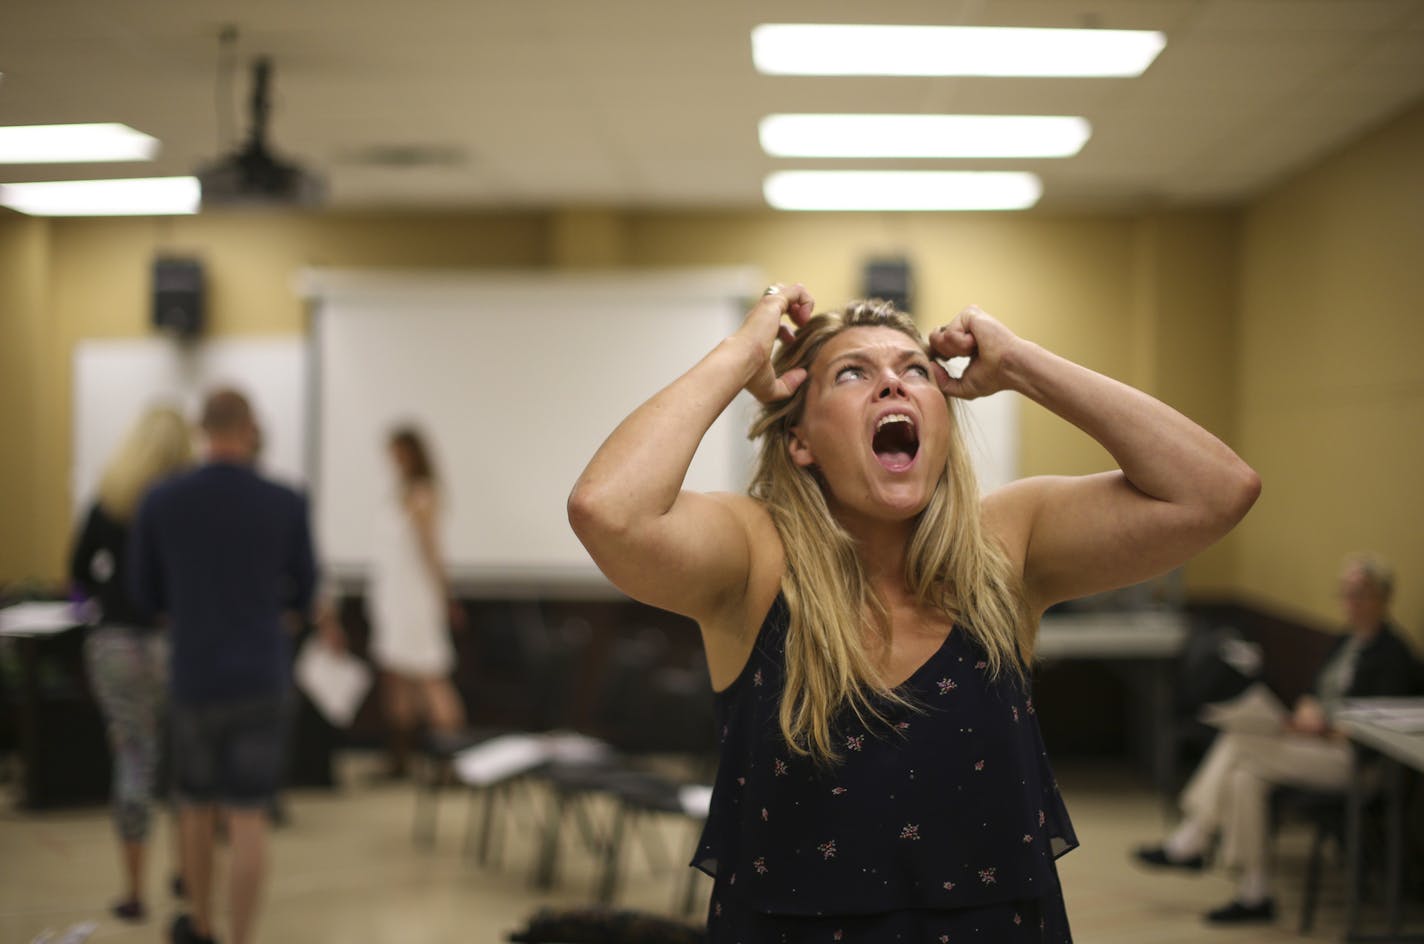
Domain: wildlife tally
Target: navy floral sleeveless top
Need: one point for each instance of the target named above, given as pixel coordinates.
(952, 805)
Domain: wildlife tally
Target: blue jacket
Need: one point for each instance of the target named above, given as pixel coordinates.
(224, 553)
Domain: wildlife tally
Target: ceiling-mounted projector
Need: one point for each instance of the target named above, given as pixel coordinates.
(253, 176)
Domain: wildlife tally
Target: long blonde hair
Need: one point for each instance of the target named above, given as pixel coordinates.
(158, 444)
(952, 565)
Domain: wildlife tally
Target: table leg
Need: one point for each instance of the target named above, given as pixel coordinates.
(1164, 735)
(1394, 785)
(1353, 811)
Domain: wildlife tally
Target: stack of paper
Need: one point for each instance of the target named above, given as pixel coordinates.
(500, 758)
(336, 682)
(40, 619)
(512, 755)
(696, 799)
(1397, 714)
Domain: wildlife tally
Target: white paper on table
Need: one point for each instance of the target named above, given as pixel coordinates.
(501, 758)
(696, 799)
(1255, 711)
(336, 682)
(39, 619)
(1403, 714)
(566, 747)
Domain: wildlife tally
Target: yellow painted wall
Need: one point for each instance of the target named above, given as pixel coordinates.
(1183, 348)
(1091, 288)
(1331, 374)
(1064, 283)
(24, 266)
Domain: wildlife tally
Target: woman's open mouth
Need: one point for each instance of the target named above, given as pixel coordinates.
(896, 441)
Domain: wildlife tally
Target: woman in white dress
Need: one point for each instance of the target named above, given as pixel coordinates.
(411, 610)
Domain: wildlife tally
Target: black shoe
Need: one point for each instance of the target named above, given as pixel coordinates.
(182, 932)
(1157, 857)
(1237, 913)
(130, 909)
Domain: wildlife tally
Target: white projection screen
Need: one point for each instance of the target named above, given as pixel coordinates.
(516, 379)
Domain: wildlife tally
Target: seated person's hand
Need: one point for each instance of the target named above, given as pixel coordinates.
(1309, 717)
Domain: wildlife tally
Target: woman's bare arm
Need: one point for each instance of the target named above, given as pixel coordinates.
(1178, 488)
(676, 549)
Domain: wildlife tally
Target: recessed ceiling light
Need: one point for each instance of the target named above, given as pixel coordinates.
(835, 49)
(901, 190)
(147, 196)
(923, 135)
(68, 144)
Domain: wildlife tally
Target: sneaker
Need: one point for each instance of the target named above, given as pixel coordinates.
(182, 932)
(1157, 857)
(130, 909)
(1237, 913)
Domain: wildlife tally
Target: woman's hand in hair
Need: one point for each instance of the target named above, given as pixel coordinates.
(986, 342)
(764, 326)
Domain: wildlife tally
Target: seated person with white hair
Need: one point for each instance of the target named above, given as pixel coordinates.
(1227, 799)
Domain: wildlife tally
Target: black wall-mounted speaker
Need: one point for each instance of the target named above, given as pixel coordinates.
(889, 279)
(178, 296)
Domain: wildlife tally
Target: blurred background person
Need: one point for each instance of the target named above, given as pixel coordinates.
(126, 654)
(411, 609)
(227, 555)
(1228, 798)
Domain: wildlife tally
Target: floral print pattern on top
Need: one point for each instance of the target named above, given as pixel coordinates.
(949, 805)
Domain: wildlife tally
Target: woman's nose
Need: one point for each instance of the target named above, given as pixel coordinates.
(891, 386)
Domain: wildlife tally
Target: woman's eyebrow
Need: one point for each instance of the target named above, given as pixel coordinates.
(863, 355)
(847, 356)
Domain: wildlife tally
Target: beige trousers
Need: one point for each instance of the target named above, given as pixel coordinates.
(1231, 789)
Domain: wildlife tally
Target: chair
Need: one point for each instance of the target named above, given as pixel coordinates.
(646, 799)
(1325, 812)
(1214, 666)
(644, 710)
(432, 774)
(534, 663)
(571, 784)
(677, 719)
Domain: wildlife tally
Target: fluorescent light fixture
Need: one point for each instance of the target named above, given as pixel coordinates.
(923, 135)
(834, 49)
(901, 190)
(147, 196)
(68, 144)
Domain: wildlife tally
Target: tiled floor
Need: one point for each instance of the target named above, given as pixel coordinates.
(345, 869)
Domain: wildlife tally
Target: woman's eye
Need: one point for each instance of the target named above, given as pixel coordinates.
(920, 369)
(849, 373)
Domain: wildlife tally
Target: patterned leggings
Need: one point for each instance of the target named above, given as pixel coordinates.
(128, 672)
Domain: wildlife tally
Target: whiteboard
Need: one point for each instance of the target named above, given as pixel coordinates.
(516, 379)
(116, 380)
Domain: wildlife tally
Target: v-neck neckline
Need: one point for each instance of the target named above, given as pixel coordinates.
(930, 660)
